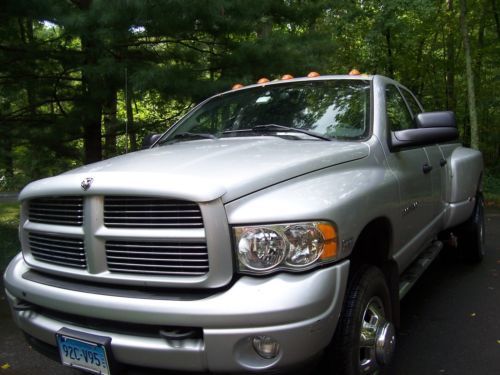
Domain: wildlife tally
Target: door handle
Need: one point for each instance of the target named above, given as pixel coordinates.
(426, 168)
(443, 162)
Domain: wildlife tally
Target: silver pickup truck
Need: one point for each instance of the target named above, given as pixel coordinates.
(273, 224)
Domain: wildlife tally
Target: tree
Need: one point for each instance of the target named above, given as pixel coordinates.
(471, 93)
(63, 65)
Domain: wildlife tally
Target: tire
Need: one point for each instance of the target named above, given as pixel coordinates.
(364, 341)
(471, 236)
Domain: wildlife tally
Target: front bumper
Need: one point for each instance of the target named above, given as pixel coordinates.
(299, 311)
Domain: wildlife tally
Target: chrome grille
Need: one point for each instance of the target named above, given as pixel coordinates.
(61, 250)
(151, 212)
(157, 257)
(64, 210)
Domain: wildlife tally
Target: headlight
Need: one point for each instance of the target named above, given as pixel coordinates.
(293, 246)
(261, 248)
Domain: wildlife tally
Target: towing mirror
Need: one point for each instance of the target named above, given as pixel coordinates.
(432, 128)
(441, 119)
(149, 140)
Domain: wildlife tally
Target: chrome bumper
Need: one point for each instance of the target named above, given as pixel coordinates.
(299, 311)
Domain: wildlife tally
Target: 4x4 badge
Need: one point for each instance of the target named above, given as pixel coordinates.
(86, 183)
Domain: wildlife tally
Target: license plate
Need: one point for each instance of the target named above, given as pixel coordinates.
(84, 351)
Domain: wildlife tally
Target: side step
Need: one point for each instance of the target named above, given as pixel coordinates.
(417, 268)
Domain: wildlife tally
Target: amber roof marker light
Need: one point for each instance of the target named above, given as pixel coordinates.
(313, 75)
(263, 80)
(237, 86)
(354, 72)
(286, 77)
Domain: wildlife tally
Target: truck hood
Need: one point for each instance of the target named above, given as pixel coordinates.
(202, 170)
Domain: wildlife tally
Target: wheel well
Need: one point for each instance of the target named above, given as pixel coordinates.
(373, 247)
(373, 244)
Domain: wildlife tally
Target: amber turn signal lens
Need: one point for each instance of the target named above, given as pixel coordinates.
(237, 86)
(287, 76)
(330, 246)
(354, 72)
(263, 80)
(313, 74)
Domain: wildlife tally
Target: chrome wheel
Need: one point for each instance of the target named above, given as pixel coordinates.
(377, 338)
(364, 341)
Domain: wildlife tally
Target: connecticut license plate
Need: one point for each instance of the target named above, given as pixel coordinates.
(84, 351)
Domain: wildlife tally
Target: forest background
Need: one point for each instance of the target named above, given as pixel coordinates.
(76, 74)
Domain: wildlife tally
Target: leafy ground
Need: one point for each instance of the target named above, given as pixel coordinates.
(9, 242)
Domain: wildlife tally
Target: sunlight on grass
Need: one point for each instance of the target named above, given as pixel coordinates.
(9, 242)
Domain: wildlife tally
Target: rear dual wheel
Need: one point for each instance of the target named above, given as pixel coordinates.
(471, 234)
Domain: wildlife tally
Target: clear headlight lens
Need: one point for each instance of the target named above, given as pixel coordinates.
(294, 246)
(261, 248)
(305, 244)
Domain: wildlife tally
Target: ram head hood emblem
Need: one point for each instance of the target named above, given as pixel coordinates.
(86, 183)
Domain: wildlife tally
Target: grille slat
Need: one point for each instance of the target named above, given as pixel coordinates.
(185, 260)
(175, 267)
(61, 250)
(69, 264)
(150, 212)
(34, 244)
(151, 217)
(169, 273)
(154, 253)
(153, 245)
(60, 210)
(60, 258)
(35, 209)
(122, 224)
(69, 253)
(147, 257)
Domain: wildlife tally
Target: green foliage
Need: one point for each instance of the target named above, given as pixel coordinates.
(75, 74)
(491, 187)
(9, 221)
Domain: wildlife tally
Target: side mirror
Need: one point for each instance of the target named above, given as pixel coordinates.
(441, 119)
(432, 128)
(149, 140)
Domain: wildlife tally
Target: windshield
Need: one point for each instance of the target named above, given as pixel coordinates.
(307, 110)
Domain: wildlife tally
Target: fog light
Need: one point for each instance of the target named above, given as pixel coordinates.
(266, 346)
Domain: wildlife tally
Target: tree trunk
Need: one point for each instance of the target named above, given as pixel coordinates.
(8, 160)
(390, 64)
(450, 57)
(92, 107)
(471, 95)
(130, 122)
(495, 16)
(110, 124)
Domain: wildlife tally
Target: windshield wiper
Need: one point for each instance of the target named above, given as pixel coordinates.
(187, 135)
(276, 127)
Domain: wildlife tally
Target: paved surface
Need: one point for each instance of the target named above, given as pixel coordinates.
(8, 197)
(450, 322)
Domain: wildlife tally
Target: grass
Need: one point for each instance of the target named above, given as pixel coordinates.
(9, 241)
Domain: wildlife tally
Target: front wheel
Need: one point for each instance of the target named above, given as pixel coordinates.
(364, 341)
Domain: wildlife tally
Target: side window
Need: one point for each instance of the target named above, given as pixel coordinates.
(398, 116)
(410, 99)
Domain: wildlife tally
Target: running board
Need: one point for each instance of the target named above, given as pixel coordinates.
(417, 268)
